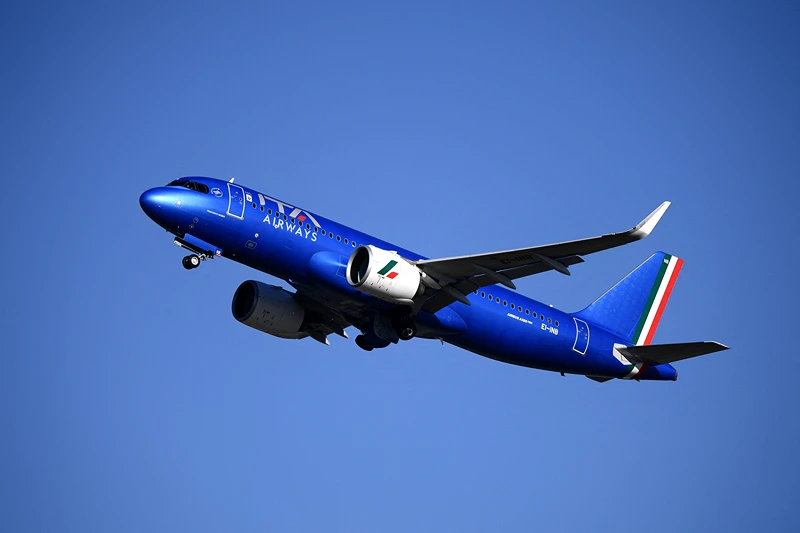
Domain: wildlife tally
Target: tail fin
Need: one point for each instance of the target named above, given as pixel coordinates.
(632, 308)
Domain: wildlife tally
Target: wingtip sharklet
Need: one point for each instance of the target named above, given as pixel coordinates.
(646, 226)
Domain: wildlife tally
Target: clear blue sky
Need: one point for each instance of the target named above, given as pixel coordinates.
(130, 400)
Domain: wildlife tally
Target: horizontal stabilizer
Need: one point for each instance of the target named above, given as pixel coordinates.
(659, 354)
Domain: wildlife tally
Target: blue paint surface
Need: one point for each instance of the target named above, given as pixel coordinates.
(280, 239)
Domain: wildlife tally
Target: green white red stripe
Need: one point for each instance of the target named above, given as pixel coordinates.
(654, 308)
(386, 270)
(634, 370)
(657, 301)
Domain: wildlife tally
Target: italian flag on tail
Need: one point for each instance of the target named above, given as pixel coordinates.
(654, 308)
(659, 294)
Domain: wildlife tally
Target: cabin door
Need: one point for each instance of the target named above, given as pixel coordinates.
(235, 201)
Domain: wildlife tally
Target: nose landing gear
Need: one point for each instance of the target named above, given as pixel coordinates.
(198, 253)
(191, 261)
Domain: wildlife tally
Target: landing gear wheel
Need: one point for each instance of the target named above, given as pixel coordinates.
(407, 331)
(361, 341)
(191, 261)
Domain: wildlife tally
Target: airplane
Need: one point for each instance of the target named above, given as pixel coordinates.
(342, 278)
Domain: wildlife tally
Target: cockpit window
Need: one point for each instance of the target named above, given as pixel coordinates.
(191, 185)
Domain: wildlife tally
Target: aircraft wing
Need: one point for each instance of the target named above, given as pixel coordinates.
(322, 320)
(458, 276)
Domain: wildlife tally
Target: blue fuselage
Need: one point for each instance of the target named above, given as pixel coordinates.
(311, 252)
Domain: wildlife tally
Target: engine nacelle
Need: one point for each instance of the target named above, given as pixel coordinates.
(268, 308)
(384, 274)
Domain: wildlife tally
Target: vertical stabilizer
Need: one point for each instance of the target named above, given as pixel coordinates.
(633, 307)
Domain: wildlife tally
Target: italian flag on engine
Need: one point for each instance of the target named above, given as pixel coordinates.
(387, 270)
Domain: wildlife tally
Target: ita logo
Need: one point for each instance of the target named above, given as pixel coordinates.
(387, 270)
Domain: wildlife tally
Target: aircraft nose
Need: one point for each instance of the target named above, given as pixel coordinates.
(152, 201)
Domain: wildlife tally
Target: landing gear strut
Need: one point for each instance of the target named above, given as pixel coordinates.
(191, 261)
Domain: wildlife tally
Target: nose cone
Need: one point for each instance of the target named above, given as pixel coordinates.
(153, 203)
(150, 201)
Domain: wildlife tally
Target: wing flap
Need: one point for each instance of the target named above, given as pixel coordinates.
(659, 354)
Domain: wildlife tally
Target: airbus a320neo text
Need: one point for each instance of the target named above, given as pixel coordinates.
(345, 278)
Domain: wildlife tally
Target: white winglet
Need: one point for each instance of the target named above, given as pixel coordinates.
(646, 226)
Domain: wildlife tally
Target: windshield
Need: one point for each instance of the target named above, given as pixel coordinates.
(191, 185)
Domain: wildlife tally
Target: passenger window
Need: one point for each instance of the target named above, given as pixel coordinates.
(556, 323)
(542, 317)
(339, 238)
(483, 294)
(353, 243)
(549, 320)
(534, 314)
(323, 233)
(345, 241)
(497, 299)
(490, 297)
(269, 211)
(254, 205)
(527, 311)
(308, 226)
(505, 303)
(262, 208)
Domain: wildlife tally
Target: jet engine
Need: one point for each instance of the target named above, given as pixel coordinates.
(385, 275)
(268, 308)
